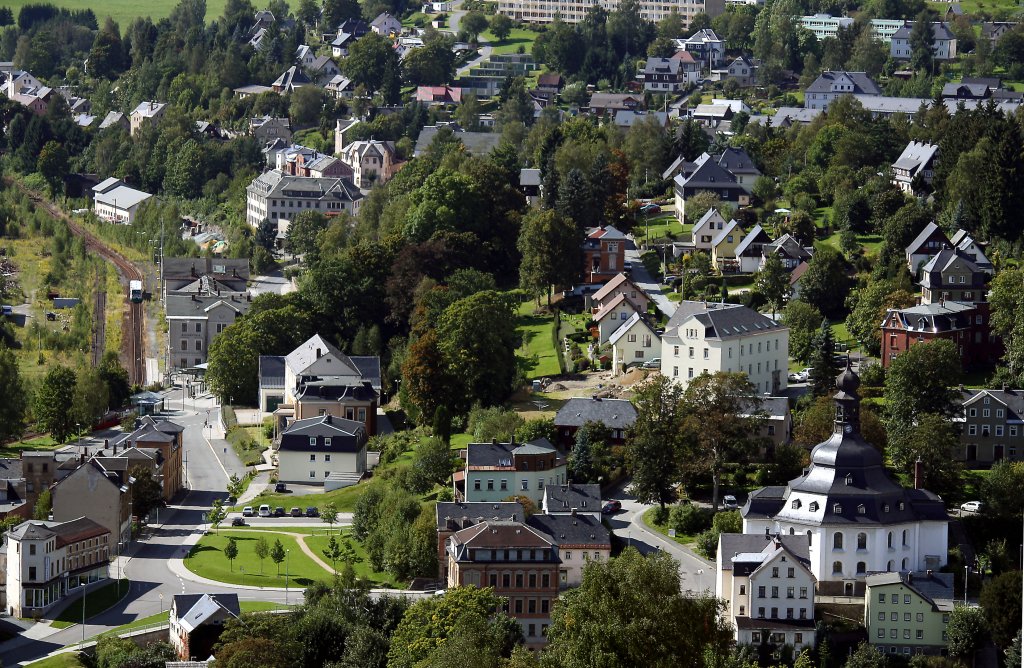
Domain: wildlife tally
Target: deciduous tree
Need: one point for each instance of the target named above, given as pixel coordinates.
(231, 552)
(967, 631)
(12, 408)
(922, 381)
(803, 321)
(653, 442)
(1001, 603)
(772, 283)
(53, 397)
(550, 245)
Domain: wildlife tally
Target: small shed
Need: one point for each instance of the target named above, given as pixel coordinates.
(66, 302)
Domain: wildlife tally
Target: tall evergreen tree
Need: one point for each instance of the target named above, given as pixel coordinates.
(823, 366)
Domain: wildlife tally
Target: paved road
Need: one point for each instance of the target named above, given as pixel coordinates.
(696, 574)
(646, 282)
(485, 49)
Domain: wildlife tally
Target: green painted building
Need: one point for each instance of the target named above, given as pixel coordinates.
(907, 612)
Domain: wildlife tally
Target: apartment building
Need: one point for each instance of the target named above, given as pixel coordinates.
(708, 337)
(147, 113)
(575, 11)
(495, 471)
(116, 202)
(831, 85)
(992, 425)
(194, 320)
(47, 561)
(906, 612)
(280, 197)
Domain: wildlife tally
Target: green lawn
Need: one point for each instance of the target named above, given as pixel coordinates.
(344, 499)
(842, 335)
(96, 601)
(663, 529)
(362, 567)
(665, 226)
(537, 347)
(16, 448)
(518, 37)
(123, 11)
(207, 559)
(65, 660)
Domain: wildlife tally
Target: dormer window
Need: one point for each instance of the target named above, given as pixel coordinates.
(849, 478)
(796, 504)
(885, 507)
(837, 509)
(901, 505)
(861, 509)
(814, 506)
(327, 441)
(312, 440)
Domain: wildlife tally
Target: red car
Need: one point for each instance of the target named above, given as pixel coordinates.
(612, 506)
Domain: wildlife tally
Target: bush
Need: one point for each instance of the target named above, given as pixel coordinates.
(728, 522)
(707, 544)
(689, 519)
(393, 446)
(445, 494)
(872, 375)
(660, 515)
(495, 422)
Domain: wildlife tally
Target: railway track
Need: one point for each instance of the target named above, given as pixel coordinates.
(133, 353)
(99, 325)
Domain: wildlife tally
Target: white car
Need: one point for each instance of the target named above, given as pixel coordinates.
(264, 510)
(729, 502)
(971, 507)
(247, 511)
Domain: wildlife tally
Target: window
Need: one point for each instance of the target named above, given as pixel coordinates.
(760, 613)
(691, 352)
(327, 441)
(312, 458)
(490, 485)
(743, 610)
(327, 458)
(972, 429)
(760, 592)
(775, 613)
(889, 540)
(895, 598)
(184, 327)
(803, 592)
(743, 590)
(568, 556)
(862, 541)
(881, 598)
(795, 505)
(906, 600)
(790, 592)
(31, 548)
(775, 571)
(837, 567)
(775, 592)
(906, 634)
(526, 485)
(791, 572)
(504, 485)
(312, 474)
(837, 509)
(881, 631)
(999, 430)
(814, 509)
(881, 616)
(476, 485)
(837, 541)
(861, 568)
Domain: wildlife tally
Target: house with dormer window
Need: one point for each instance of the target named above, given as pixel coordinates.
(495, 471)
(313, 449)
(831, 85)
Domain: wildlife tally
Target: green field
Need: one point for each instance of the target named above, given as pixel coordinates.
(362, 566)
(648, 519)
(123, 11)
(344, 499)
(65, 660)
(536, 332)
(517, 38)
(96, 601)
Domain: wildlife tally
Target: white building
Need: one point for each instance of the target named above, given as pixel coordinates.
(280, 197)
(856, 519)
(706, 46)
(494, 471)
(115, 202)
(634, 342)
(825, 25)
(574, 11)
(315, 448)
(917, 159)
(708, 337)
(611, 316)
(833, 84)
(943, 42)
(46, 561)
(147, 113)
(768, 589)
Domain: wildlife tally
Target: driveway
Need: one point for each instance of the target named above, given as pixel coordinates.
(646, 282)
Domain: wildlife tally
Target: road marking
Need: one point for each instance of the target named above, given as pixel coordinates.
(219, 462)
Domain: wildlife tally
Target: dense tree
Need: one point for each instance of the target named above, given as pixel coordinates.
(304, 232)
(656, 624)
(370, 60)
(921, 54)
(653, 442)
(43, 507)
(866, 656)
(804, 322)
(936, 443)
(433, 459)
(816, 422)
(53, 397)
(549, 243)
(825, 283)
(115, 377)
(722, 414)
(1001, 602)
(922, 381)
(12, 408)
(336, 11)
(772, 283)
(53, 165)
(967, 632)
(869, 307)
(822, 380)
(147, 492)
(473, 23)
(427, 381)
(433, 64)
(1000, 491)
(501, 26)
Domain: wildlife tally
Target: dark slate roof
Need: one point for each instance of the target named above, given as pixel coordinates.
(329, 392)
(369, 368)
(862, 83)
(77, 530)
(185, 602)
(565, 498)
(612, 413)
(10, 469)
(773, 407)
(502, 535)
(345, 435)
(455, 516)
(477, 143)
(707, 174)
(656, 65)
(500, 454)
(734, 544)
(737, 161)
(271, 371)
(933, 586)
(726, 321)
(919, 241)
(568, 530)
(944, 316)
(787, 245)
(939, 31)
(1012, 399)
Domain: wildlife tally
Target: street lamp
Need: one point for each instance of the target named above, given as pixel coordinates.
(287, 555)
(242, 568)
(161, 604)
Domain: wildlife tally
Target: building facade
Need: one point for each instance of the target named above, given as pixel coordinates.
(991, 425)
(604, 254)
(279, 197)
(194, 320)
(115, 202)
(907, 612)
(575, 11)
(310, 450)
(103, 496)
(708, 337)
(372, 161)
(495, 471)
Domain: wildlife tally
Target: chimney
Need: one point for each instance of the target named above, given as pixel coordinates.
(910, 577)
(928, 573)
(573, 512)
(1004, 387)
(918, 474)
(319, 353)
(106, 442)
(329, 417)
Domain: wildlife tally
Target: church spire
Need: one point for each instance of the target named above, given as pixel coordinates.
(847, 401)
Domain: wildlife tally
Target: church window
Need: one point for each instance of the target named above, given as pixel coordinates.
(837, 541)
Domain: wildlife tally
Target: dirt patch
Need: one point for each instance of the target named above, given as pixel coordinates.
(533, 405)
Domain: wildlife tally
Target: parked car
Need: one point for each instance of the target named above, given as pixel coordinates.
(729, 502)
(650, 209)
(612, 506)
(238, 522)
(653, 364)
(971, 507)
(296, 512)
(280, 488)
(247, 511)
(798, 377)
(264, 510)
(279, 511)
(6, 310)
(312, 512)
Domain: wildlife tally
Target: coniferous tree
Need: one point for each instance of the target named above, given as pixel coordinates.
(823, 366)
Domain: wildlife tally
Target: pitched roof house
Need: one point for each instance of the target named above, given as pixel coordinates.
(197, 620)
(709, 176)
(635, 342)
(313, 449)
(617, 415)
(918, 160)
(928, 242)
(832, 84)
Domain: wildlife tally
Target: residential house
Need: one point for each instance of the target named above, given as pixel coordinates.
(47, 561)
(550, 82)
(620, 285)
(165, 437)
(146, 114)
(479, 144)
(706, 229)
(280, 197)
(386, 25)
(23, 88)
(708, 337)
(967, 247)
(267, 128)
(775, 424)
(915, 167)
(114, 119)
(312, 449)
(309, 164)
(41, 468)
(345, 35)
(612, 315)
(439, 95)
(825, 26)
(454, 516)
(520, 563)
(991, 428)
(603, 103)
(495, 471)
(666, 75)
(617, 415)
(713, 116)
(768, 589)
(322, 70)
(742, 70)
(372, 161)
(949, 276)
(750, 251)
(196, 318)
(966, 91)
(304, 55)
(954, 321)
(545, 11)
(626, 118)
(604, 254)
(198, 275)
(926, 244)
(993, 31)
(13, 489)
(788, 249)
(580, 539)
(116, 202)
(251, 90)
(832, 84)
(291, 80)
(943, 42)
(708, 175)
(318, 379)
(578, 500)
(906, 612)
(101, 495)
(855, 517)
(341, 87)
(706, 46)
(531, 185)
(197, 620)
(795, 277)
(739, 163)
(635, 342)
(724, 246)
